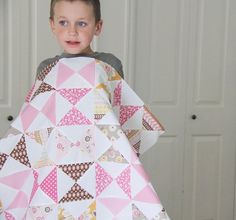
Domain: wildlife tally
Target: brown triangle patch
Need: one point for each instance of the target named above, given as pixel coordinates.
(75, 171)
(41, 75)
(3, 159)
(20, 153)
(44, 87)
(76, 193)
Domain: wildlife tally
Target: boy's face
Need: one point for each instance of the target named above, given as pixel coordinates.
(74, 26)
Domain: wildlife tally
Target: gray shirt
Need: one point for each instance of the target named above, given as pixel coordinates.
(105, 57)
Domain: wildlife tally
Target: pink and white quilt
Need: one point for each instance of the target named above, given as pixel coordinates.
(73, 150)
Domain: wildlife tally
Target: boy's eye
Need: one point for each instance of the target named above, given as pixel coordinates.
(81, 24)
(63, 23)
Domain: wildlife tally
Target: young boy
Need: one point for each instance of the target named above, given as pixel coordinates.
(74, 24)
(73, 152)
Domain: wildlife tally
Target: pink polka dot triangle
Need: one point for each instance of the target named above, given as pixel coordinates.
(75, 153)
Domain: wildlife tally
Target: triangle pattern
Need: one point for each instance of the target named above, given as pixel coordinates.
(15, 180)
(19, 153)
(72, 155)
(115, 205)
(74, 95)
(76, 193)
(20, 201)
(112, 132)
(117, 95)
(28, 115)
(44, 160)
(3, 159)
(137, 214)
(40, 136)
(49, 109)
(88, 72)
(35, 185)
(127, 112)
(112, 155)
(75, 171)
(103, 179)
(74, 117)
(134, 137)
(147, 195)
(30, 93)
(65, 73)
(41, 76)
(123, 181)
(150, 122)
(49, 185)
(44, 87)
(128, 96)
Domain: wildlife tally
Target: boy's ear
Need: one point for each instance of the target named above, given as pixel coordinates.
(98, 27)
(52, 25)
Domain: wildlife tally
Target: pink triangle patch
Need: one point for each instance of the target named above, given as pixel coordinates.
(147, 195)
(123, 181)
(103, 179)
(115, 205)
(49, 185)
(50, 108)
(35, 186)
(88, 72)
(126, 112)
(15, 180)
(28, 115)
(74, 95)
(20, 201)
(64, 73)
(74, 117)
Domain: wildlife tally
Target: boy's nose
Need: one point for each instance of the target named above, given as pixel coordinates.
(72, 31)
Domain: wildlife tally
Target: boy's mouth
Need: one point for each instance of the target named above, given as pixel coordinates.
(73, 43)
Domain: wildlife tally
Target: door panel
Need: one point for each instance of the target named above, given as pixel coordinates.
(209, 150)
(184, 68)
(160, 80)
(14, 58)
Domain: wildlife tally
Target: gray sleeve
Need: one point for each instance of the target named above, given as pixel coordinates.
(113, 61)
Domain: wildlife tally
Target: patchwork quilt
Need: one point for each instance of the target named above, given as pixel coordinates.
(72, 153)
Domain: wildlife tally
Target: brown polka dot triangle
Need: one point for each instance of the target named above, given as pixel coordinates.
(74, 151)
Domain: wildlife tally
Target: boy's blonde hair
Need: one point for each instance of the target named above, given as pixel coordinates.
(94, 3)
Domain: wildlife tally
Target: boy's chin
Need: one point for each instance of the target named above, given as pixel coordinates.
(74, 52)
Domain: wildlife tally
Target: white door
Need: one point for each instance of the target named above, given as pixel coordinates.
(186, 70)
(25, 40)
(14, 59)
(211, 95)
